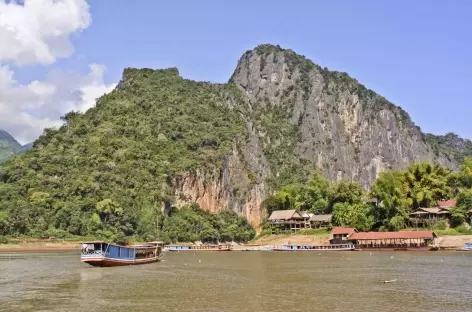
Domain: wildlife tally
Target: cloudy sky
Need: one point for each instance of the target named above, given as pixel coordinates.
(38, 34)
(60, 55)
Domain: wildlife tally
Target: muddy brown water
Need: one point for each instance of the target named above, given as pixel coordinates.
(241, 281)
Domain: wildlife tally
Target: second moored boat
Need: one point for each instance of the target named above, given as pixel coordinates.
(220, 247)
(340, 247)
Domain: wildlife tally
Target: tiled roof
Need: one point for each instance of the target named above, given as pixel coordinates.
(392, 235)
(340, 230)
(447, 203)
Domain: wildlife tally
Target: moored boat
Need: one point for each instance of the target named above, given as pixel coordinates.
(103, 254)
(220, 247)
(338, 247)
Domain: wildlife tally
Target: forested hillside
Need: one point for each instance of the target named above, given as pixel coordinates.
(107, 171)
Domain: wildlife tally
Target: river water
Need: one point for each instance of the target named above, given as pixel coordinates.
(241, 281)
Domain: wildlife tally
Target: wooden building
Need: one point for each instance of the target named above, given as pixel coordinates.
(289, 220)
(411, 240)
(320, 221)
(428, 216)
(341, 235)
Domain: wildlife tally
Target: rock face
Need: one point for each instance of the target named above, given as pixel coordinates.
(349, 132)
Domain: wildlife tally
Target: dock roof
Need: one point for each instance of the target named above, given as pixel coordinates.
(392, 235)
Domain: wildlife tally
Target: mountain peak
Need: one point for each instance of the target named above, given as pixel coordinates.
(8, 146)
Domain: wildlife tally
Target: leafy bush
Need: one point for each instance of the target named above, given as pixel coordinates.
(439, 225)
(3, 240)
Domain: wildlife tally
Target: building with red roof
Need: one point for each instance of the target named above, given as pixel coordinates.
(341, 235)
(429, 216)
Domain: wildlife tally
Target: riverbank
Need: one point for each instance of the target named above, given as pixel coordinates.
(39, 246)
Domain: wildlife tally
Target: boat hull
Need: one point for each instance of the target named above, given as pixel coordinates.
(313, 250)
(213, 249)
(397, 249)
(109, 262)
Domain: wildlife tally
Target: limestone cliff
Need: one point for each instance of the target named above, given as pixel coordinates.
(297, 116)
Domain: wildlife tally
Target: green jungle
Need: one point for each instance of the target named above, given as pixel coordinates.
(393, 196)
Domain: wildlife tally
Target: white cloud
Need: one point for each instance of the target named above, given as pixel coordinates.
(26, 109)
(38, 33)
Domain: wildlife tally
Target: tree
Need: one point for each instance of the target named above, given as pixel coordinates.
(4, 223)
(316, 193)
(354, 215)
(464, 204)
(466, 172)
(427, 183)
(348, 192)
(289, 197)
(108, 208)
(392, 202)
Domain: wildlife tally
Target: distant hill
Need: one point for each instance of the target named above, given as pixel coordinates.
(28, 146)
(8, 146)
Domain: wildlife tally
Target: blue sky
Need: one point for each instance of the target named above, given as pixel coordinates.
(415, 53)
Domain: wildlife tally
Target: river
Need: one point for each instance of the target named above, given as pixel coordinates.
(241, 281)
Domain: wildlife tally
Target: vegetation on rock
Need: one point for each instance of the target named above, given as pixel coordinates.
(190, 224)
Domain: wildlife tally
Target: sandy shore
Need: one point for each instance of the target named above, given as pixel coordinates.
(294, 239)
(452, 242)
(39, 247)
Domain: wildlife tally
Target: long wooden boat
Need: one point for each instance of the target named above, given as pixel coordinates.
(198, 247)
(398, 248)
(340, 247)
(103, 254)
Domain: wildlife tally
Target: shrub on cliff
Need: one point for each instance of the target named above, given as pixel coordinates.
(190, 224)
